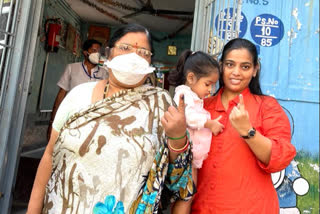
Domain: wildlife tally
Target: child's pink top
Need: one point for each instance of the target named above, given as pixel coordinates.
(196, 117)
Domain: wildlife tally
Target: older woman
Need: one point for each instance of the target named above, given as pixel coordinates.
(113, 147)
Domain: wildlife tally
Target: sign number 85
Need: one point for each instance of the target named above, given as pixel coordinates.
(266, 42)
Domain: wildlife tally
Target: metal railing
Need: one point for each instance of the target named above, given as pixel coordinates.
(215, 23)
(8, 16)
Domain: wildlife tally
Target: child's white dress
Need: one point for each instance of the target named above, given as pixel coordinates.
(196, 117)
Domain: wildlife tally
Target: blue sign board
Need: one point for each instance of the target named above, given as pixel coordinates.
(266, 30)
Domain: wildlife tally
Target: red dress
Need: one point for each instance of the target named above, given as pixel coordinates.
(232, 180)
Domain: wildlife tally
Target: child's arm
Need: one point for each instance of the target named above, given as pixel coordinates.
(214, 125)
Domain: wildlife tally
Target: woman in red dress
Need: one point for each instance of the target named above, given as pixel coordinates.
(236, 176)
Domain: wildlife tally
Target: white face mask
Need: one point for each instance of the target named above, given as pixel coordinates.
(94, 58)
(129, 69)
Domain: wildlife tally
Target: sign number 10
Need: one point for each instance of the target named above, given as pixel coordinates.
(266, 31)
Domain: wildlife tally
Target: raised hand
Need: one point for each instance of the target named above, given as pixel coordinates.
(174, 120)
(239, 118)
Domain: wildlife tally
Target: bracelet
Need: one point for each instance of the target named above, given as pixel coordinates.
(184, 148)
(177, 138)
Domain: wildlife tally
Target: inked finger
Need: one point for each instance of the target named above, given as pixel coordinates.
(181, 106)
(241, 102)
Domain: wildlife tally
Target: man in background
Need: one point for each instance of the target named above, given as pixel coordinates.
(78, 73)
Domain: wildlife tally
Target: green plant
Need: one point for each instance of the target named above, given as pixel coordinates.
(308, 165)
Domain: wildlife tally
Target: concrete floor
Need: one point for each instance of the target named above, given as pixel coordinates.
(23, 186)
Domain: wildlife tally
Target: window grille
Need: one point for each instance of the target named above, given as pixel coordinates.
(215, 23)
(8, 15)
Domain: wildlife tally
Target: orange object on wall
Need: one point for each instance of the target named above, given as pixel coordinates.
(53, 30)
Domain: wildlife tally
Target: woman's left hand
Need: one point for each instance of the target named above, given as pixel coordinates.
(239, 118)
(174, 120)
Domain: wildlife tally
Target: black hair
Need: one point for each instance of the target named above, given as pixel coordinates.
(240, 43)
(129, 28)
(195, 62)
(88, 44)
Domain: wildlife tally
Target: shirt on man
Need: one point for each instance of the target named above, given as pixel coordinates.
(77, 73)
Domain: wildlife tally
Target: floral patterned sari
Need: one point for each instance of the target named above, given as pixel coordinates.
(112, 157)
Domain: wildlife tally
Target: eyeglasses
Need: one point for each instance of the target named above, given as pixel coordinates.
(127, 48)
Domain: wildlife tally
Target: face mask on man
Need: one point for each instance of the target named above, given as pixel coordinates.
(129, 69)
(94, 58)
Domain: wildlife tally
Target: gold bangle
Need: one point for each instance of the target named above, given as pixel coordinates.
(184, 148)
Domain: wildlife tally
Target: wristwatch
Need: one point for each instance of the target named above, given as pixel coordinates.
(251, 133)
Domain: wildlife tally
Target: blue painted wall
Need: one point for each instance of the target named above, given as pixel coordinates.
(286, 34)
(290, 68)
